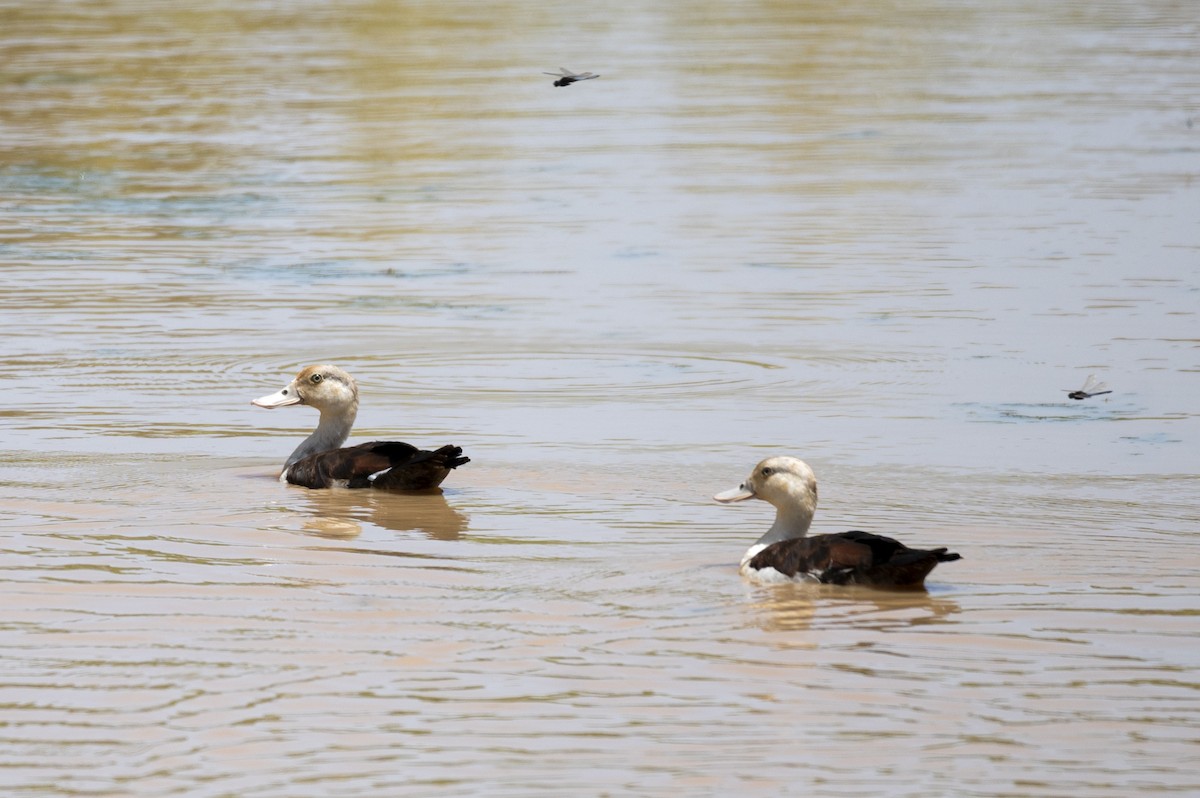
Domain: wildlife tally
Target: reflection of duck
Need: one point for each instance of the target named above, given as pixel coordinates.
(336, 512)
(785, 553)
(785, 608)
(320, 462)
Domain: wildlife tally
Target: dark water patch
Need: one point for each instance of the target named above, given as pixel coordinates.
(1054, 412)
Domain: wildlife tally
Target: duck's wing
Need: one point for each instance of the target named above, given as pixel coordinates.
(821, 557)
(851, 558)
(390, 465)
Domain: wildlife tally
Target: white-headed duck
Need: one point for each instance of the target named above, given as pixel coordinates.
(321, 462)
(786, 553)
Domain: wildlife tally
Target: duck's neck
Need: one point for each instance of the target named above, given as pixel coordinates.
(331, 433)
(791, 520)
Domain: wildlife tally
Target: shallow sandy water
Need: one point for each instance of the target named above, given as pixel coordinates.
(883, 239)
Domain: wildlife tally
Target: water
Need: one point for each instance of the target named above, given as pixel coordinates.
(886, 239)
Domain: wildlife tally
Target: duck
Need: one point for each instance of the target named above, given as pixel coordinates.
(786, 553)
(321, 461)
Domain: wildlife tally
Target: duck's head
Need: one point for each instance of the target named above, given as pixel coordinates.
(785, 482)
(327, 388)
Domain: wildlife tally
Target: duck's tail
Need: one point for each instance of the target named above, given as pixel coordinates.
(423, 471)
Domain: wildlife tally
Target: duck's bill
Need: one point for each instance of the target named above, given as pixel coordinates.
(287, 396)
(738, 494)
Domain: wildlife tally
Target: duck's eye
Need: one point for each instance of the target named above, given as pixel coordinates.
(314, 379)
(766, 472)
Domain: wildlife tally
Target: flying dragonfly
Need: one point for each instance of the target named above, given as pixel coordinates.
(566, 77)
(1090, 388)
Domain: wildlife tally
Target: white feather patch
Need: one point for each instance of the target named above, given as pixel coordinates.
(751, 553)
(768, 575)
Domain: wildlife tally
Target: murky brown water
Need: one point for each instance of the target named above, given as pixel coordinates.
(881, 237)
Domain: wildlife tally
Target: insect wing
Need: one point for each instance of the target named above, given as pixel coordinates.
(1093, 386)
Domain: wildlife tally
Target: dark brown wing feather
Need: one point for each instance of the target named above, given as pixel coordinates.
(387, 465)
(423, 470)
(855, 557)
